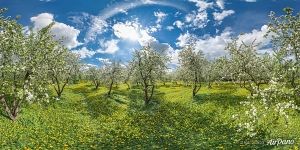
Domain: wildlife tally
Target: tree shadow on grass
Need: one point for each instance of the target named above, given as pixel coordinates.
(225, 86)
(222, 99)
(103, 105)
(123, 92)
(83, 89)
(178, 126)
(98, 103)
(3, 114)
(136, 100)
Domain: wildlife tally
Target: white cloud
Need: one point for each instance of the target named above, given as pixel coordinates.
(174, 56)
(132, 31)
(214, 46)
(66, 33)
(81, 19)
(98, 26)
(184, 39)
(84, 53)
(257, 35)
(160, 16)
(128, 30)
(110, 47)
(220, 16)
(220, 4)
(42, 20)
(179, 24)
(104, 60)
(86, 67)
(145, 38)
(211, 46)
(99, 23)
(250, 0)
(202, 4)
(170, 28)
(153, 29)
(197, 19)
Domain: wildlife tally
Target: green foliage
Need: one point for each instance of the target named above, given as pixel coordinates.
(24, 63)
(148, 65)
(192, 67)
(62, 67)
(247, 67)
(285, 34)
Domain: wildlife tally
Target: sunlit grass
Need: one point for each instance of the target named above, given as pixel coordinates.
(85, 118)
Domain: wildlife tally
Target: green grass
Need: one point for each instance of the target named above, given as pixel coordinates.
(87, 119)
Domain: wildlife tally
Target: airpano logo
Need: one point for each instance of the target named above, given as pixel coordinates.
(279, 141)
(270, 142)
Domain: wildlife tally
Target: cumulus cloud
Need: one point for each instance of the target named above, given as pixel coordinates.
(220, 4)
(153, 29)
(98, 26)
(197, 19)
(66, 33)
(110, 47)
(257, 35)
(220, 16)
(211, 46)
(132, 31)
(84, 53)
(214, 46)
(128, 30)
(145, 38)
(160, 16)
(184, 39)
(170, 28)
(179, 24)
(174, 56)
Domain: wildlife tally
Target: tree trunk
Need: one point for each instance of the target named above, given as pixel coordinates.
(59, 94)
(195, 85)
(11, 113)
(97, 86)
(152, 92)
(209, 85)
(146, 98)
(194, 91)
(110, 87)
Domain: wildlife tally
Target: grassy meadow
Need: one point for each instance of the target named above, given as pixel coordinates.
(85, 118)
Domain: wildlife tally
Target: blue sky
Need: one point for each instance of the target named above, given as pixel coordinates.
(102, 30)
